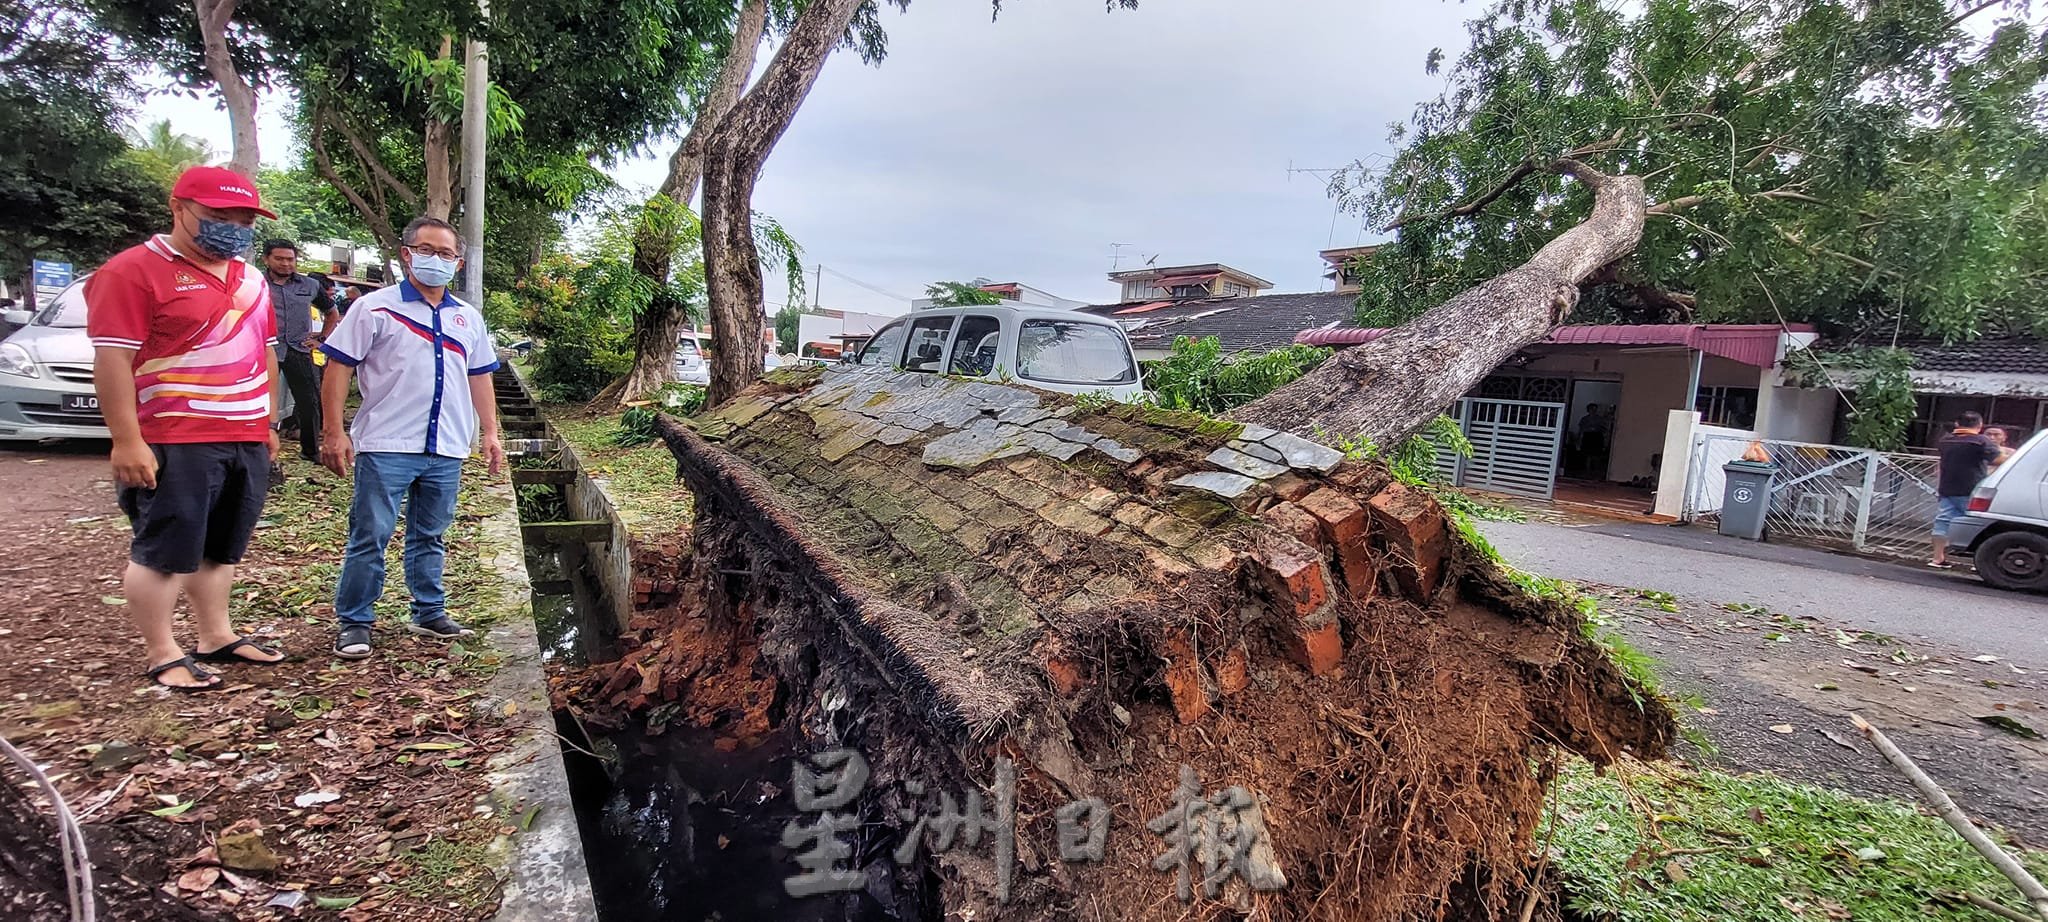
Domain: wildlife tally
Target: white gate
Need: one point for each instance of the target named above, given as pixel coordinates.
(1869, 501)
(1515, 446)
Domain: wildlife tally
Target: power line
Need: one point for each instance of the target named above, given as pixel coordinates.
(876, 289)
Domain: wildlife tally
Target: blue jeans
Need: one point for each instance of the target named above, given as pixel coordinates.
(427, 484)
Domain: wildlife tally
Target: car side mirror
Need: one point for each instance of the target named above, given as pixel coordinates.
(17, 318)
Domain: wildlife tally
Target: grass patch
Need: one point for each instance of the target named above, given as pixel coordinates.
(1664, 844)
(448, 870)
(640, 479)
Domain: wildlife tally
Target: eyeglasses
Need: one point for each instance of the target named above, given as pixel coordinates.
(421, 249)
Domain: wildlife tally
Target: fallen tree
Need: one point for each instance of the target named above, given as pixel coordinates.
(1385, 390)
(946, 575)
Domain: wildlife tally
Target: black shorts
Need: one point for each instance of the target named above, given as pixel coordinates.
(207, 499)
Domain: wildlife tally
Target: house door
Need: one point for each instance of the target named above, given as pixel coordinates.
(1515, 445)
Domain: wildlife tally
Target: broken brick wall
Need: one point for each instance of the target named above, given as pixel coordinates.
(944, 571)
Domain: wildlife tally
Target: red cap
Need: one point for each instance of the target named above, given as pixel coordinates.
(219, 187)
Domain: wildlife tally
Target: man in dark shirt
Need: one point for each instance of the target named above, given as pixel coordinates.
(1967, 456)
(295, 297)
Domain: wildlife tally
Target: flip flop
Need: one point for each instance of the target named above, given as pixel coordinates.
(353, 642)
(227, 654)
(212, 681)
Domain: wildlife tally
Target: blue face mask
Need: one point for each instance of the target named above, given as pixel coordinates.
(223, 240)
(432, 271)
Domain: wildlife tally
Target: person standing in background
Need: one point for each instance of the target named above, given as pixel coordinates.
(295, 299)
(1967, 457)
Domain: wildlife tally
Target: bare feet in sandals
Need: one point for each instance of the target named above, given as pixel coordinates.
(238, 650)
(183, 675)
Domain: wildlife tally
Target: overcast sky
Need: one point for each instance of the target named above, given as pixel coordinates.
(1021, 149)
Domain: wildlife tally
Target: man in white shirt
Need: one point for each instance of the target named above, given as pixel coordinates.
(424, 360)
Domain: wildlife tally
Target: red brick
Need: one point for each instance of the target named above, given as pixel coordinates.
(1295, 572)
(642, 585)
(1349, 474)
(1233, 670)
(1186, 680)
(1293, 521)
(1212, 555)
(1361, 568)
(1291, 486)
(1342, 518)
(1411, 527)
(1100, 500)
(1319, 648)
(1064, 671)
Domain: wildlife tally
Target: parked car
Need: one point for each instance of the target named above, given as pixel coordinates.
(690, 366)
(2006, 530)
(1053, 350)
(46, 373)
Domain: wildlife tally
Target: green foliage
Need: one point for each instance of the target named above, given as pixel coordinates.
(636, 426)
(1867, 166)
(1612, 835)
(68, 187)
(161, 153)
(1198, 376)
(1884, 404)
(1414, 463)
(786, 326)
(959, 294)
(582, 345)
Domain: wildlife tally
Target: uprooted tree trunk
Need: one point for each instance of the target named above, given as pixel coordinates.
(945, 575)
(235, 93)
(1387, 389)
(733, 156)
(658, 328)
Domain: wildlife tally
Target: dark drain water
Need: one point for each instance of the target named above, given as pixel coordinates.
(685, 832)
(673, 828)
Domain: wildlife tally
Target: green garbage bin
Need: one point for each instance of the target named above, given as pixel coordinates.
(1746, 498)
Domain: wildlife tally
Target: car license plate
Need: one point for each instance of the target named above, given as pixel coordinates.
(81, 403)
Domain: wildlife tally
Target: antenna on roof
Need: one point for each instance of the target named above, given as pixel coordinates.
(1151, 260)
(1116, 255)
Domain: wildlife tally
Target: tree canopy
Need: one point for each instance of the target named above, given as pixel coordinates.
(68, 188)
(1873, 167)
(959, 294)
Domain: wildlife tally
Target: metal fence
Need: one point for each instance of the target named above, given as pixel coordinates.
(1854, 498)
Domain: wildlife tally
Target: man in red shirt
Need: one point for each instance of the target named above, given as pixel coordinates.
(182, 335)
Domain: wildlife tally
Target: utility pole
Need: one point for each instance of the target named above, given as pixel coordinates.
(817, 284)
(475, 110)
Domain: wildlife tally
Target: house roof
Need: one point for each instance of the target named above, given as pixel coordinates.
(2024, 355)
(1199, 269)
(1749, 343)
(1261, 322)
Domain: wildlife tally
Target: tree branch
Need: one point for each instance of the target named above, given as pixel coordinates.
(373, 166)
(686, 165)
(1972, 11)
(373, 217)
(1522, 171)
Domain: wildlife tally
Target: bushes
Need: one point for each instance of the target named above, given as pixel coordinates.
(636, 422)
(1197, 375)
(583, 343)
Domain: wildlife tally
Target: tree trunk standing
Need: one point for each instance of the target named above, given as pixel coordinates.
(738, 147)
(657, 329)
(439, 144)
(1387, 389)
(214, 17)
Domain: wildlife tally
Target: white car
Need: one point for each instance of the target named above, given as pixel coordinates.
(2005, 532)
(690, 365)
(46, 373)
(1053, 350)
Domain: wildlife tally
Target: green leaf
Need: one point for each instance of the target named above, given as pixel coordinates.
(112, 600)
(336, 902)
(526, 819)
(173, 811)
(434, 747)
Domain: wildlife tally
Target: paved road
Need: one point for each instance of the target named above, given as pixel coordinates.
(1896, 599)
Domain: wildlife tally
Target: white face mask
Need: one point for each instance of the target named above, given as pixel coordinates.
(433, 271)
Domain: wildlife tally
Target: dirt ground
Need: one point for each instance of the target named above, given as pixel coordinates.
(358, 778)
(1777, 690)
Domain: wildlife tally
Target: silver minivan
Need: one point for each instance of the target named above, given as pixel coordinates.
(2006, 531)
(1049, 349)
